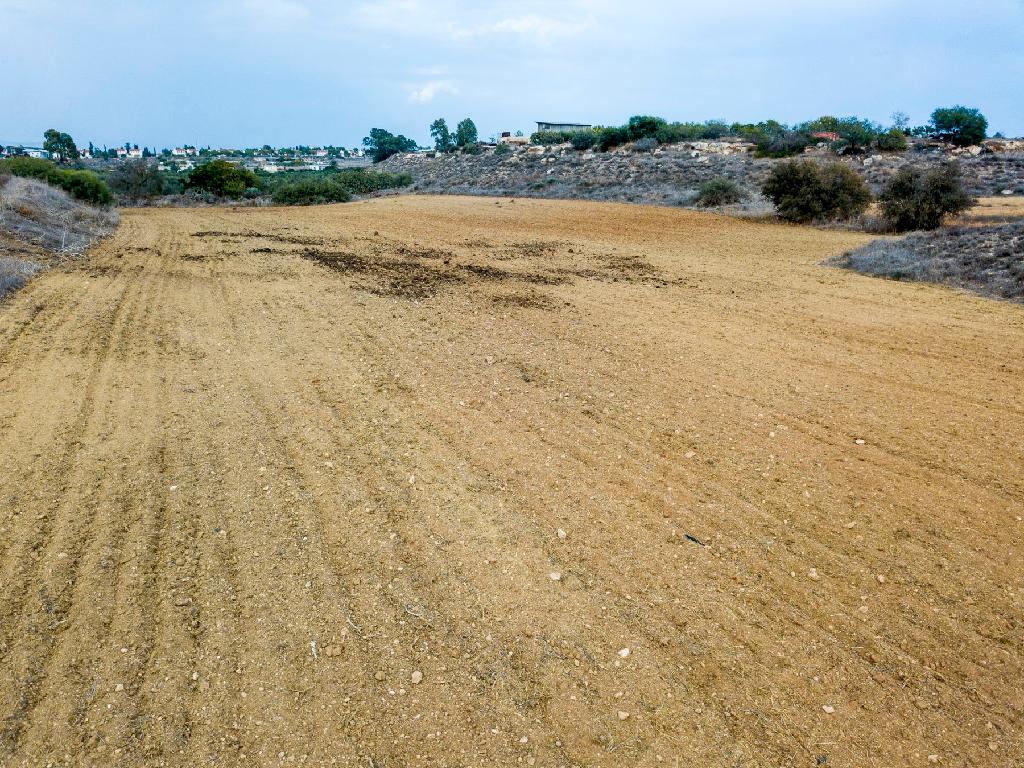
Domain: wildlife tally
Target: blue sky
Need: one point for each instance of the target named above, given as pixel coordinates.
(281, 72)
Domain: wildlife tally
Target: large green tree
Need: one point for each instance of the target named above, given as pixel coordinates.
(221, 178)
(60, 146)
(383, 144)
(465, 133)
(962, 126)
(443, 139)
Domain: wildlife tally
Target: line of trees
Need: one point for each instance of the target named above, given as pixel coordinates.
(465, 135)
(959, 125)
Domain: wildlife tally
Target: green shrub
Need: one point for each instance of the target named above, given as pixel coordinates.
(612, 137)
(334, 186)
(547, 138)
(221, 178)
(583, 140)
(717, 192)
(28, 167)
(962, 126)
(81, 185)
(644, 126)
(311, 192)
(893, 140)
(503, 149)
(86, 186)
(915, 199)
(360, 181)
(782, 144)
(806, 191)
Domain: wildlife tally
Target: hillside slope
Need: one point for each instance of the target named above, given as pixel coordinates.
(669, 175)
(41, 224)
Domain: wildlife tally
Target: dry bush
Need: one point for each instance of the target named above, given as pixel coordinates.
(35, 212)
(14, 273)
(987, 260)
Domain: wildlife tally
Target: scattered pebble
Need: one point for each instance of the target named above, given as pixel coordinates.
(379, 676)
(332, 650)
(690, 454)
(555, 576)
(828, 709)
(859, 441)
(623, 715)
(624, 653)
(416, 677)
(562, 534)
(813, 574)
(881, 578)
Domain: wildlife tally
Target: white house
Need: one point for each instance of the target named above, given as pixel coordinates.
(184, 152)
(564, 127)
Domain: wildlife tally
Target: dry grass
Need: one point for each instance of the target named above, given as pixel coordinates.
(34, 212)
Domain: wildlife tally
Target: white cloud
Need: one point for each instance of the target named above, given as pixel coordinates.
(426, 92)
(532, 27)
(454, 21)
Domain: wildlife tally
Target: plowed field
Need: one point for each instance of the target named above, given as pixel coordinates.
(464, 482)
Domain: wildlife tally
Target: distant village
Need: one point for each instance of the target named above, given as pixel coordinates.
(265, 159)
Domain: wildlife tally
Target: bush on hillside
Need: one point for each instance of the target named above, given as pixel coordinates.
(81, 185)
(915, 199)
(646, 144)
(221, 178)
(805, 191)
(583, 140)
(893, 140)
(718, 192)
(547, 138)
(644, 126)
(782, 144)
(609, 138)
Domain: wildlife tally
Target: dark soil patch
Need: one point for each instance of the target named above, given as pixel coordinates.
(403, 278)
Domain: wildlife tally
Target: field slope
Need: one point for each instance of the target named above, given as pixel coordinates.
(456, 482)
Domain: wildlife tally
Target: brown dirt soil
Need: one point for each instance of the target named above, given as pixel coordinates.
(261, 469)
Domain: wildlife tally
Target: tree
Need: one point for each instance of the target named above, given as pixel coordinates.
(137, 180)
(60, 145)
(221, 178)
(959, 125)
(383, 144)
(443, 139)
(916, 199)
(465, 133)
(805, 191)
(900, 121)
(643, 126)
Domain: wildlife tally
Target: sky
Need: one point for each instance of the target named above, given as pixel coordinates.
(236, 73)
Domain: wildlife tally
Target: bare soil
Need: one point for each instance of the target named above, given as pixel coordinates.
(463, 482)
